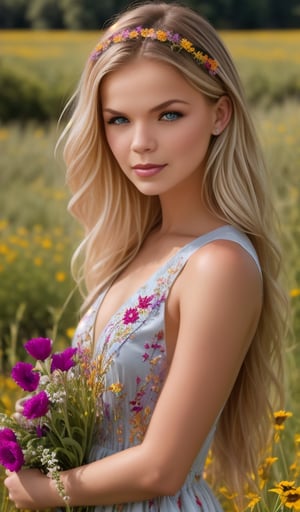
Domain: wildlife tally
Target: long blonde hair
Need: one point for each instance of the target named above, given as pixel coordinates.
(117, 218)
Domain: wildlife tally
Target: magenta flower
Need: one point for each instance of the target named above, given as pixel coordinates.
(39, 348)
(11, 455)
(131, 315)
(145, 302)
(41, 430)
(6, 434)
(25, 377)
(36, 406)
(63, 360)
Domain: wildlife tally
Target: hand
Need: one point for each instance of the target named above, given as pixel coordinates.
(30, 489)
(18, 414)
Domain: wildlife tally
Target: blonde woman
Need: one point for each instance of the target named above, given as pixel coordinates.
(180, 267)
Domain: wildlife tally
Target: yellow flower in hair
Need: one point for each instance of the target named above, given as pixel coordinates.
(187, 45)
(213, 65)
(133, 34)
(161, 35)
(199, 56)
(117, 38)
(99, 47)
(145, 32)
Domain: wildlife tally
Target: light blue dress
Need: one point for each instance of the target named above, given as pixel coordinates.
(135, 341)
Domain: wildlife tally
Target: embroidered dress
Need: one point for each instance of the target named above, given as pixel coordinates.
(134, 342)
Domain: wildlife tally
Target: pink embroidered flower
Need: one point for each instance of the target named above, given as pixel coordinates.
(145, 356)
(145, 302)
(198, 502)
(156, 345)
(179, 502)
(131, 315)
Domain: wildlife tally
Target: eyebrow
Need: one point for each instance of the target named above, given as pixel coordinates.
(161, 106)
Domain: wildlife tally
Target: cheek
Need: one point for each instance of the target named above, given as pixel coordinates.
(194, 141)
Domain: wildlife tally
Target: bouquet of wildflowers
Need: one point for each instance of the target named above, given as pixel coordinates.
(60, 413)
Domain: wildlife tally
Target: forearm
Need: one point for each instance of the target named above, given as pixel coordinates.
(123, 477)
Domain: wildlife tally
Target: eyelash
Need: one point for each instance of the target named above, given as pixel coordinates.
(177, 115)
(173, 113)
(113, 120)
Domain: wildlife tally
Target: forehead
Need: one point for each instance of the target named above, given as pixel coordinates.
(147, 78)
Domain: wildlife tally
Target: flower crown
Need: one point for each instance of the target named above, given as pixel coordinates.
(174, 40)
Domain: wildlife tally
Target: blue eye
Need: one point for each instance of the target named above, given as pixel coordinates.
(171, 116)
(118, 120)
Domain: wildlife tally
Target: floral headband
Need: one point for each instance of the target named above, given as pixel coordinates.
(174, 40)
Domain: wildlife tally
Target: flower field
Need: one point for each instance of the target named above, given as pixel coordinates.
(37, 235)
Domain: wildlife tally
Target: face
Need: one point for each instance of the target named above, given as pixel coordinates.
(157, 125)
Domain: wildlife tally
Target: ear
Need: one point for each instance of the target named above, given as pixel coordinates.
(223, 112)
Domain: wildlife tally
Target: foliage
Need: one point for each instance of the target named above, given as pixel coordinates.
(86, 14)
(37, 239)
(276, 486)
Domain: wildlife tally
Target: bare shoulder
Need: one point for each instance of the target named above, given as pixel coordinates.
(224, 261)
(223, 280)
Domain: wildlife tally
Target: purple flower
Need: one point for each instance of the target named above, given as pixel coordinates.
(63, 360)
(41, 430)
(39, 348)
(6, 434)
(36, 406)
(11, 455)
(25, 377)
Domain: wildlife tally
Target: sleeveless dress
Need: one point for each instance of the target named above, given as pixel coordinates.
(134, 340)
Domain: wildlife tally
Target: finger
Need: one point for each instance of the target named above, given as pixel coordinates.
(19, 406)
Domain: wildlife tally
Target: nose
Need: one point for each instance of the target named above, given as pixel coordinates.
(143, 138)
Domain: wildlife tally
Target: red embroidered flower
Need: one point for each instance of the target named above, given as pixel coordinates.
(198, 501)
(145, 302)
(131, 315)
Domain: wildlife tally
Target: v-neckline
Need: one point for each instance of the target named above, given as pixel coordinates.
(153, 276)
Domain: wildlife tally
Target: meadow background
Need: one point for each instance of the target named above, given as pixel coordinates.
(38, 72)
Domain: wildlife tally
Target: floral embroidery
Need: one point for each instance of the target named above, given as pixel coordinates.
(145, 302)
(131, 316)
(198, 501)
(133, 343)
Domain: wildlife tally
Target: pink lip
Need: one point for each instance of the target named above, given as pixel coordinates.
(147, 169)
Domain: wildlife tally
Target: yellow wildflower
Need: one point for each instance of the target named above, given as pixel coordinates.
(187, 45)
(133, 34)
(264, 470)
(70, 332)
(254, 499)
(295, 292)
(279, 419)
(117, 38)
(60, 277)
(116, 387)
(161, 35)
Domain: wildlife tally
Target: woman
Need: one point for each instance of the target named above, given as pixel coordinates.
(180, 268)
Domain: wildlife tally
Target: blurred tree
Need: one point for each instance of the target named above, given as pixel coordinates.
(251, 14)
(45, 14)
(13, 14)
(88, 14)
(94, 14)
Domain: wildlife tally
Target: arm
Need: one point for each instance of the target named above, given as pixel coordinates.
(219, 298)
